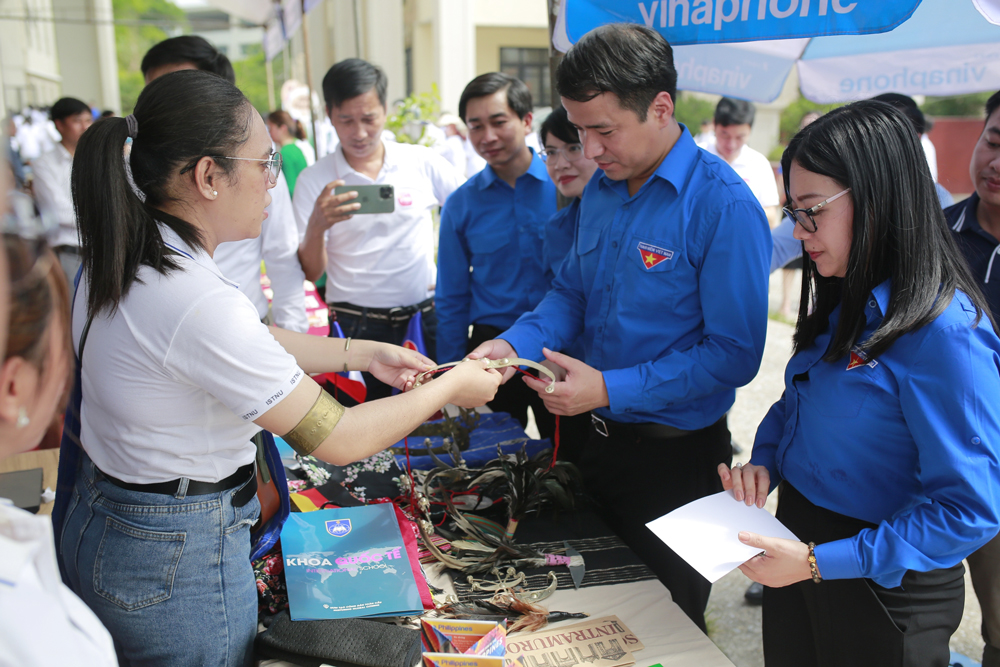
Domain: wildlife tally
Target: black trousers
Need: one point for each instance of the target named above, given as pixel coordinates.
(636, 479)
(515, 397)
(856, 621)
(384, 331)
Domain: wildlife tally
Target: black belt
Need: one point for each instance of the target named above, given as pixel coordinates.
(244, 475)
(398, 314)
(68, 249)
(607, 428)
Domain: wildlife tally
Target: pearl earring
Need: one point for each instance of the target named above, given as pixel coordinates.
(215, 193)
(22, 417)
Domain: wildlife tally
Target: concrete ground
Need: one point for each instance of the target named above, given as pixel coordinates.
(733, 624)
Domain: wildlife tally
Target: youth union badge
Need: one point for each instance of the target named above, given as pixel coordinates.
(338, 527)
(858, 358)
(652, 255)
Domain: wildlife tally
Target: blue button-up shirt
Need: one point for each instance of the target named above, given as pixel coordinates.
(559, 235)
(908, 441)
(498, 232)
(668, 289)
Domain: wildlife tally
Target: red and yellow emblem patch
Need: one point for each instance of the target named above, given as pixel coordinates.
(652, 255)
(859, 359)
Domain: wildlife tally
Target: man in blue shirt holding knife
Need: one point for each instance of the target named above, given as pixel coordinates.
(666, 287)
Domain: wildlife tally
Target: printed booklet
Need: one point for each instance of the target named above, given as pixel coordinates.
(347, 562)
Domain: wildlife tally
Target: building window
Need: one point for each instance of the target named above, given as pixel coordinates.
(532, 67)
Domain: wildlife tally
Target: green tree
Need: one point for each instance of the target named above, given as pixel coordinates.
(132, 41)
(691, 111)
(956, 105)
(407, 120)
(251, 78)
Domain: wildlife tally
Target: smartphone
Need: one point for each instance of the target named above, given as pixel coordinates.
(373, 198)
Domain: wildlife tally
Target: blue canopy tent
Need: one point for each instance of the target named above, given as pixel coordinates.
(843, 50)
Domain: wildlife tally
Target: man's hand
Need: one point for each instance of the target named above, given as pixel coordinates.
(496, 349)
(330, 209)
(581, 390)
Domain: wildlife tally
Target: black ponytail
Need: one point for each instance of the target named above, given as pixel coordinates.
(181, 118)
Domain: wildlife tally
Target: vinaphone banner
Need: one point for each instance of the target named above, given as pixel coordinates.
(714, 21)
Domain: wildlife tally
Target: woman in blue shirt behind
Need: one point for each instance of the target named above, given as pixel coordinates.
(570, 171)
(884, 445)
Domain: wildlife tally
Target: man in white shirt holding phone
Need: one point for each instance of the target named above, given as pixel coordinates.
(380, 266)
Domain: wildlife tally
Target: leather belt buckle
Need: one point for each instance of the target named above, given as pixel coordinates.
(599, 425)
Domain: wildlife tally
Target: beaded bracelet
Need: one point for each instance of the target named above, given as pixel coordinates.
(813, 568)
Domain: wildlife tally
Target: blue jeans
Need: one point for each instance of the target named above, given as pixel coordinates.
(169, 576)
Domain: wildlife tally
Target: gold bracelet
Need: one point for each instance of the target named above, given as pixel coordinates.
(317, 424)
(813, 568)
(347, 346)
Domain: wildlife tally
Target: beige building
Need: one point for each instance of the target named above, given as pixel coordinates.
(422, 43)
(57, 48)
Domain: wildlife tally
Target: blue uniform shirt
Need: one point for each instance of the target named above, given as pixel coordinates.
(498, 232)
(979, 248)
(668, 289)
(908, 441)
(559, 234)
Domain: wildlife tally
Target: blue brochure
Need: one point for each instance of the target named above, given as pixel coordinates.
(347, 562)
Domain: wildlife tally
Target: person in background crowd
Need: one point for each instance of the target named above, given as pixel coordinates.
(13, 153)
(459, 150)
(733, 124)
(570, 170)
(884, 445)
(706, 134)
(379, 267)
(52, 181)
(786, 255)
(975, 224)
(284, 131)
(495, 225)
(178, 375)
(44, 622)
(278, 243)
(667, 289)
(910, 109)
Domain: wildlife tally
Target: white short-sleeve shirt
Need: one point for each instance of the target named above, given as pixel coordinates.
(54, 194)
(173, 380)
(754, 168)
(278, 247)
(381, 260)
(44, 622)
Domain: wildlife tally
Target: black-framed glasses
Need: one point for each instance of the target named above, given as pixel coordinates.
(804, 216)
(273, 164)
(572, 153)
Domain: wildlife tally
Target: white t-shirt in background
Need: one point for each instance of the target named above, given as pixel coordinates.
(381, 260)
(754, 168)
(278, 247)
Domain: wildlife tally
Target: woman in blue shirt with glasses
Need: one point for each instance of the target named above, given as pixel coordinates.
(884, 445)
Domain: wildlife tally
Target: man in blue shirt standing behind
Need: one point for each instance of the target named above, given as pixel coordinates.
(666, 287)
(494, 225)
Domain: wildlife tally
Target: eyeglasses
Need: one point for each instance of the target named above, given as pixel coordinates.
(804, 216)
(273, 164)
(572, 153)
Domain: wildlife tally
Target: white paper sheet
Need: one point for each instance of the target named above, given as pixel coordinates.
(705, 532)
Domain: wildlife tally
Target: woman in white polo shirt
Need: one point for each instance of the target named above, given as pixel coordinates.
(178, 374)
